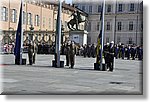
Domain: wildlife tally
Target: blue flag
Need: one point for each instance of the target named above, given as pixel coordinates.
(17, 48)
(99, 39)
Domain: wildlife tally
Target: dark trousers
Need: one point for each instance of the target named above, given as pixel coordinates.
(72, 60)
(111, 63)
(111, 66)
(30, 59)
(106, 62)
(34, 55)
(67, 60)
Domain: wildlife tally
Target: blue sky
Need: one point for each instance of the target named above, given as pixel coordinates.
(68, 1)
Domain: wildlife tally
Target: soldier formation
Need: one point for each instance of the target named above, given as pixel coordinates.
(70, 49)
(128, 52)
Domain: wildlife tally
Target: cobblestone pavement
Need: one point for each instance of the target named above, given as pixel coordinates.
(41, 78)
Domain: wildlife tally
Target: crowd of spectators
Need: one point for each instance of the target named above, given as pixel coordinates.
(122, 51)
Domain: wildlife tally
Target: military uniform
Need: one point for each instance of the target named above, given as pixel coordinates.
(106, 55)
(72, 52)
(111, 57)
(30, 54)
(66, 50)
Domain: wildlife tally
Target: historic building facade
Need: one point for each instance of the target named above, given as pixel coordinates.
(39, 14)
(123, 20)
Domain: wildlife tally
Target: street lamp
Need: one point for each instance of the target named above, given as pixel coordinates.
(31, 34)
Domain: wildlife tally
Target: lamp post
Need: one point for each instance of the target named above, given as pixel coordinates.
(31, 33)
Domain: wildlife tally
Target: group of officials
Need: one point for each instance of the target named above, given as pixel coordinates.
(109, 56)
(109, 52)
(70, 52)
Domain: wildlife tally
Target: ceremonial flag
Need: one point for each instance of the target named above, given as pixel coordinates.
(17, 49)
(99, 48)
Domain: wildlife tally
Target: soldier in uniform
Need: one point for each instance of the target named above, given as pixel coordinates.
(72, 52)
(66, 50)
(106, 55)
(111, 56)
(123, 51)
(30, 53)
(35, 50)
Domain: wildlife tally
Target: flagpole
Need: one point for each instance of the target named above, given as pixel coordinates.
(102, 31)
(58, 34)
(21, 48)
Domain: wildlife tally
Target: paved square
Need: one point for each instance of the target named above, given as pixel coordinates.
(41, 78)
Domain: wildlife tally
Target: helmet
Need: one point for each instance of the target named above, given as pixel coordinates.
(112, 42)
(107, 43)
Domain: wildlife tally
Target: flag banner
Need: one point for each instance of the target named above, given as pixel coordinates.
(17, 48)
(99, 39)
(98, 48)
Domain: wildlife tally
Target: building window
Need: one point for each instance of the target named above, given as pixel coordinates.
(24, 17)
(29, 19)
(83, 8)
(98, 25)
(130, 40)
(119, 26)
(13, 16)
(107, 39)
(131, 7)
(76, 6)
(118, 40)
(109, 8)
(120, 8)
(131, 26)
(44, 21)
(55, 24)
(141, 26)
(141, 6)
(4, 14)
(108, 26)
(90, 9)
(99, 8)
(49, 23)
(89, 26)
(37, 20)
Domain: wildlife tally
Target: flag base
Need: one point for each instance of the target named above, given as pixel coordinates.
(17, 61)
(98, 67)
(54, 64)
